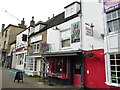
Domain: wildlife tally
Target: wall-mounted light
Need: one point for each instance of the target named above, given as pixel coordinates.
(91, 25)
(102, 35)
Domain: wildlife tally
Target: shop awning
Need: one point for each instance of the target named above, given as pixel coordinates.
(61, 54)
(33, 56)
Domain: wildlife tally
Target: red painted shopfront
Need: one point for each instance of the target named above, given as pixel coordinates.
(65, 68)
(94, 70)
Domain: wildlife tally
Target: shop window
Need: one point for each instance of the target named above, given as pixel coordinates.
(113, 21)
(36, 48)
(58, 66)
(64, 64)
(30, 64)
(20, 58)
(115, 68)
(52, 65)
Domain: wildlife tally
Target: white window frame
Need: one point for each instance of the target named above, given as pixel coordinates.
(111, 19)
(37, 28)
(30, 64)
(70, 10)
(35, 47)
(20, 58)
(66, 37)
(109, 65)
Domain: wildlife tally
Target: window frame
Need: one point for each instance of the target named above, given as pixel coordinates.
(113, 74)
(30, 64)
(20, 58)
(68, 30)
(111, 19)
(36, 49)
(58, 70)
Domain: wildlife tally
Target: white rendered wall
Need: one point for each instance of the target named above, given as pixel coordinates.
(92, 12)
(53, 37)
(19, 44)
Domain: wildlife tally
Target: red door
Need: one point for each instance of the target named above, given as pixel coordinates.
(77, 73)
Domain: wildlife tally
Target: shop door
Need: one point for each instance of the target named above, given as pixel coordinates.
(77, 75)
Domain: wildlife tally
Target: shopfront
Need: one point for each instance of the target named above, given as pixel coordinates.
(65, 68)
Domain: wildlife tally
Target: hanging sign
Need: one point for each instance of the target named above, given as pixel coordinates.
(45, 47)
(89, 31)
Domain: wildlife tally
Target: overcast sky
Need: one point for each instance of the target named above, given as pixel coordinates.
(40, 9)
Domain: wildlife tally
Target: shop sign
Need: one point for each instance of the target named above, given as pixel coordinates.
(89, 31)
(20, 49)
(110, 5)
(75, 32)
(45, 47)
(36, 38)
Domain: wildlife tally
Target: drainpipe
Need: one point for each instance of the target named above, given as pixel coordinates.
(82, 55)
(82, 70)
(81, 60)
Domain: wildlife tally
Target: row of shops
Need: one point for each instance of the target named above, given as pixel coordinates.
(71, 48)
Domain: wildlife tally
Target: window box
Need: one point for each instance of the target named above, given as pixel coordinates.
(62, 77)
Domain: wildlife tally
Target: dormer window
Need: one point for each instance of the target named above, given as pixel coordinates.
(72, 9)
(37, 28)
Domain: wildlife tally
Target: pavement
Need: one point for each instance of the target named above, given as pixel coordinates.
(28, 82)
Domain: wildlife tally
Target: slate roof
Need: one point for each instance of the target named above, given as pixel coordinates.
(56, 21)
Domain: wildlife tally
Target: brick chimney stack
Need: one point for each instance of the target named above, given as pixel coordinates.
(2, 30)
(32, 22)
(22, 24)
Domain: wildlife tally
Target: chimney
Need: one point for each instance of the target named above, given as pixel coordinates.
(32, 22)
(3, 26)
(22, 24)
(48, 18)
(53, 16)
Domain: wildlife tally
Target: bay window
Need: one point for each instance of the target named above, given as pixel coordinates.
(113, 74)
(115, 68)
(113, 21)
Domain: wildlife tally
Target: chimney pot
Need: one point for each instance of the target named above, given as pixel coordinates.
(53, 15)
(3, 27)
(32, 22)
